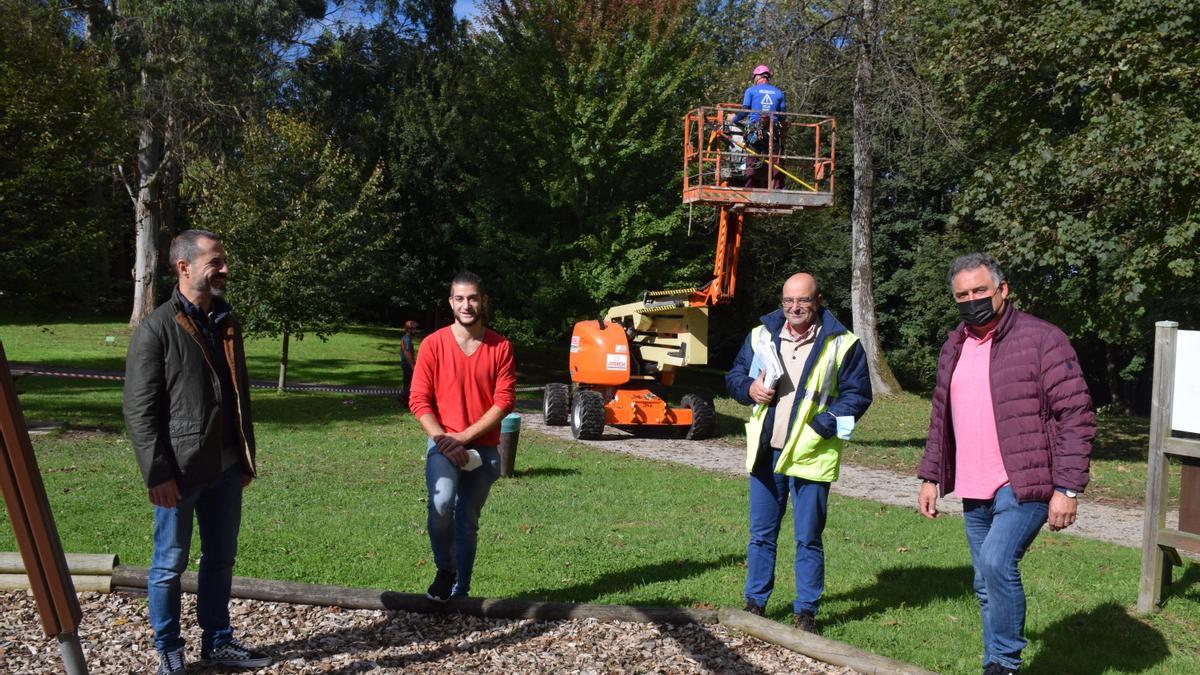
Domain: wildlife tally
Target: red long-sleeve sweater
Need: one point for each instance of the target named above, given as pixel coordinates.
(458, 389)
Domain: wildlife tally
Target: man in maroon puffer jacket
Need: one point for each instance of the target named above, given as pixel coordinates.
(1010, 434)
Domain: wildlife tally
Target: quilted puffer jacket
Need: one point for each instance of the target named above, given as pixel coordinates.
(1044, 416)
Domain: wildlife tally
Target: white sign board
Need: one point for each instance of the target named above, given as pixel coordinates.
(1185, 406)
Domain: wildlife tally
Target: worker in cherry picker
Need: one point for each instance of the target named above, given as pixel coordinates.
(758, 102)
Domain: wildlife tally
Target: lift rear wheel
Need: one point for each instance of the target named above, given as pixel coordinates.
(556, 405)
(587, 415)
(704, 417)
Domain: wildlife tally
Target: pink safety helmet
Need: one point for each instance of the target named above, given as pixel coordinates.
(763, 70)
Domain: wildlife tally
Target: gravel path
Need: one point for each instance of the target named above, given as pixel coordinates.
(304, 639)
(1114, 524)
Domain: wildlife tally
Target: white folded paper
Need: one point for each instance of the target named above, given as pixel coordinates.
(766, 360)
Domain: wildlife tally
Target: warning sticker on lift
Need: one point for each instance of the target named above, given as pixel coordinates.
(617, 362)
(574, 343)
(620, 349)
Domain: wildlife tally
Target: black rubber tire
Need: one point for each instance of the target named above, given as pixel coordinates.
(587, 415)
(704, 417)
(556, 405)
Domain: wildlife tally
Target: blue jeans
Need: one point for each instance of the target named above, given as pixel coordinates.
(999, 531)
(218, 510)
(769, 493)
(456, 498)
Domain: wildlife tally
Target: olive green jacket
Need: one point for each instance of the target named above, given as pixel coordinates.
(172, 399)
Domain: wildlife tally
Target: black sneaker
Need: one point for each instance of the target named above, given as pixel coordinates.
(172, 663)
(439, 590)
(235, 655)
(806, 621)
(756, 610)
(994, 668)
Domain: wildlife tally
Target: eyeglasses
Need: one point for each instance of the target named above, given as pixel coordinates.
(787, 303)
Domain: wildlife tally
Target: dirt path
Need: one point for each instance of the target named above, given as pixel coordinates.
(1104, 522)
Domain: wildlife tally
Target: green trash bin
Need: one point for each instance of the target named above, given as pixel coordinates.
(510, 431)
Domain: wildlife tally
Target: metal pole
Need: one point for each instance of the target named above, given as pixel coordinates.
(72, 654)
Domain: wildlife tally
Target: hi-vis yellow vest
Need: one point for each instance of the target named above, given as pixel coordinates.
(805, 454)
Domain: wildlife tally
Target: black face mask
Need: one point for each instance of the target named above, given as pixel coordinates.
(976, 312)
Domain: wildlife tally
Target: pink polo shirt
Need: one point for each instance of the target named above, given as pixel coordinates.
(979, 468)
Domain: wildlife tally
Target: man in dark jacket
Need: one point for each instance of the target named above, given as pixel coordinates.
(795, 434)
(187, 409)
(1010, 434)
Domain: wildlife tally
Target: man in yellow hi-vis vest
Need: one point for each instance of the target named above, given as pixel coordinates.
(807, 378)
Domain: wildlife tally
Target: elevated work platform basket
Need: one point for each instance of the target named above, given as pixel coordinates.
(776, 163)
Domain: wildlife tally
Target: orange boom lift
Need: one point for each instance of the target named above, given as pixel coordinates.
(619, 361)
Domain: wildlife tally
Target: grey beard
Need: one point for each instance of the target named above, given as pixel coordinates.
(207, 288)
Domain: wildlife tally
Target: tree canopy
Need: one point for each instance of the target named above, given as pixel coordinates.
(55, 220)
(539, 145)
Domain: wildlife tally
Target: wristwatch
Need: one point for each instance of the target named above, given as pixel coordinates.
(1069, 493)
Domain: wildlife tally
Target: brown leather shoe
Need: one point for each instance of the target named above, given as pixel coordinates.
(805, 621)
(754, 609)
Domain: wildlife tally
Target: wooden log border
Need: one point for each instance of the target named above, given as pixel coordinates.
(79, 564)
(130, 578)
(89, 571)
(815, 646)
(125, 576)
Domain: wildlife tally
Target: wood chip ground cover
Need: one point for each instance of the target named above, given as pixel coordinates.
(305, 639)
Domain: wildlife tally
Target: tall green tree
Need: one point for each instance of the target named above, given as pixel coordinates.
(394, 92)
(851, 59)
(55, 227)
(191, 71)
(575, 141)
(1086, 122)
(301, 220)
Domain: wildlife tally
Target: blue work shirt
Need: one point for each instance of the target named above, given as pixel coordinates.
(761, 98)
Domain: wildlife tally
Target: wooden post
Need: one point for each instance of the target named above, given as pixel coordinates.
(1155, 509)
(1173, 387)
(33, 525)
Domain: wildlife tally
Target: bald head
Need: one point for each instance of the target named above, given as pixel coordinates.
(801, 301)
(800, 284)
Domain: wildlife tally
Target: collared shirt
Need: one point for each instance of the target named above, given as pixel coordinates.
(793, 353)
(980, 468)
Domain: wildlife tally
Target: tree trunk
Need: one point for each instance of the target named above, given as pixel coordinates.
(283, 359)
(147, 209)
(862, 291)
(1112, 376)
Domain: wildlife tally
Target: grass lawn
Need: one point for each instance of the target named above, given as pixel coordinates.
(891, 436)
(363, 355)
(342, 500)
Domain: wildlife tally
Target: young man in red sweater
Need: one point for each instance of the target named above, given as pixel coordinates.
(463, 385)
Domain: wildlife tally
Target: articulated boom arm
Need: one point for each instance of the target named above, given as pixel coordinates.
(617, 362)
